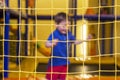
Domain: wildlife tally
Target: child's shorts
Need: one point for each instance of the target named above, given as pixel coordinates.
(56, 72)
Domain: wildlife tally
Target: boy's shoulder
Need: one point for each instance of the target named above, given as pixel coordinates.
(54, 33)
(69, 33)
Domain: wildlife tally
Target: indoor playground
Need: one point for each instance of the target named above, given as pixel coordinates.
(26, 24)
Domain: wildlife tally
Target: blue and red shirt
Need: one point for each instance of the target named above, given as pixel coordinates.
(60, 52)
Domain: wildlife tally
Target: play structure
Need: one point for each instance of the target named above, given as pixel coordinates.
(26, 48)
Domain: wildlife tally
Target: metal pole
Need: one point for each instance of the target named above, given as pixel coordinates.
(18, 34)
(75, 22)
(112, 31)
(6, 42)
(103, 41)
(26, 29)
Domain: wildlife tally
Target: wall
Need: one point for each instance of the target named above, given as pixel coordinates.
(117, 28)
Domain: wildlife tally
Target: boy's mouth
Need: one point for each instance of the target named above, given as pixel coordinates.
(64, 31)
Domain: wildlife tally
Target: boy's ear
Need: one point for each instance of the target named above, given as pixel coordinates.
(56, 25)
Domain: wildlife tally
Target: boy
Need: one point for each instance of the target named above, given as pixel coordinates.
(60, 41)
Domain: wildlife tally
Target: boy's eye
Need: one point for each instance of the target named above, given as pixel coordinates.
(65, 25)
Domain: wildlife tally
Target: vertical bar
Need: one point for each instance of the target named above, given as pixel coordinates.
(18, 35)
(26, 29)
(71, 13)
(34, 27)
(112, 31)
(34, 20)
(103, 41)
(6, 43)
(75, 21)
(103, 3)
(111, 40)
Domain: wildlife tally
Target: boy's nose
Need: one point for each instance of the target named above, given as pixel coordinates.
(65, 27)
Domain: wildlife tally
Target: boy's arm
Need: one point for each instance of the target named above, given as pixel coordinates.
(80, 41)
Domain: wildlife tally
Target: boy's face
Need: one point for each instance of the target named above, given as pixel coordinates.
(63, 26)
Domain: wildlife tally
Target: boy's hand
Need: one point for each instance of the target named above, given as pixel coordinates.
(54, 42)
(89, 37)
